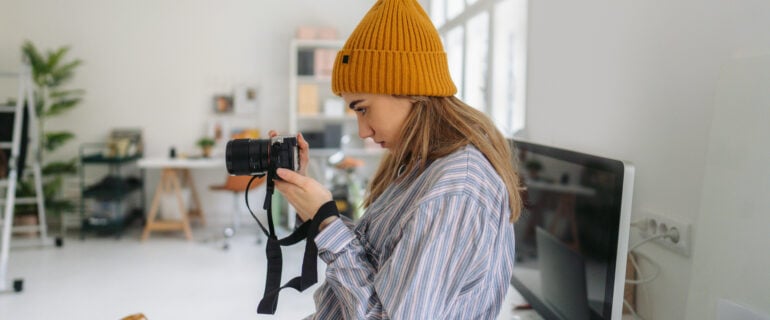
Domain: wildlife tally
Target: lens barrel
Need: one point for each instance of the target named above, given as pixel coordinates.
(249, 157)
(246, 157)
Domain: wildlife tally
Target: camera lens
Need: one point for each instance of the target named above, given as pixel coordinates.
(246, 157)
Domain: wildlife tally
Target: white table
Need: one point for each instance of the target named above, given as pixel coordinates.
(172, 169)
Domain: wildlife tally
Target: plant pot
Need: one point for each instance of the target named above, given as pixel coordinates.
(206, 152)
(26, 220)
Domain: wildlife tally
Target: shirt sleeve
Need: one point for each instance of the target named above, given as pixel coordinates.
(428, 268)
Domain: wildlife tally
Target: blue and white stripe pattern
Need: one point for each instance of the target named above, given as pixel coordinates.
(439, 248)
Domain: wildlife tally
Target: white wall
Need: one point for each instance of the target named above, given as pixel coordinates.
(636, 80)
(157, 63)
(628, 79)
(735, 204)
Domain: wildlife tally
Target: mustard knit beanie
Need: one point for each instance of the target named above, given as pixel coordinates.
(395, 49)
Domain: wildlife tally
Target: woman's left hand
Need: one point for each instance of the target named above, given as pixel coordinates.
(304, 149)
(304, 193)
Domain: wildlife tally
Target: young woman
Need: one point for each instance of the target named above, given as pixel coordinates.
(437, 239)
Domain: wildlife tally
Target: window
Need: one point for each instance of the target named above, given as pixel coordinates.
(485, 42)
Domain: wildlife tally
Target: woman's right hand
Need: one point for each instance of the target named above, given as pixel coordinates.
(304, 149)
(304, 193)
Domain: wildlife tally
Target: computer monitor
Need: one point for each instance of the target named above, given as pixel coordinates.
(572, 237)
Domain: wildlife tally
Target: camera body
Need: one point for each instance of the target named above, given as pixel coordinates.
(251, 157)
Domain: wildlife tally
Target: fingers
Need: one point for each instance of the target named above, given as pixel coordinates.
(291, 177)
(302, 142)
(304, 158)
(305, 194)
(304, 147)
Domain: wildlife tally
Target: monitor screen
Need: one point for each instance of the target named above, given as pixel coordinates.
(572, 236)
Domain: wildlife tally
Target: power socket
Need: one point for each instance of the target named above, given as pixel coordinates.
(653, 224)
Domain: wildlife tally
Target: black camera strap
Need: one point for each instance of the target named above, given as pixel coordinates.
(307, 230)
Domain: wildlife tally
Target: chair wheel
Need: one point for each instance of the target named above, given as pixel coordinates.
(228, 232)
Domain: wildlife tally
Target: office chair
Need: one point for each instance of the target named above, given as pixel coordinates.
(237, 186)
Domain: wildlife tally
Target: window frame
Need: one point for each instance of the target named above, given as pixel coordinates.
(461, 20)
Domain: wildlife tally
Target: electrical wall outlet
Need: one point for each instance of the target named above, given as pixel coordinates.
(656, 224)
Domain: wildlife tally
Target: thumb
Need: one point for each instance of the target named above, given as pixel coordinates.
(289, 176)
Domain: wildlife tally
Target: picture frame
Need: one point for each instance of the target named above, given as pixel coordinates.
(223, 103)
(245, 100)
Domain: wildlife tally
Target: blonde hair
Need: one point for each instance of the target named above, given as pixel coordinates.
(437, 127)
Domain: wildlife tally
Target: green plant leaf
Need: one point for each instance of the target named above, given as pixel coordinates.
(39, 103)
(52, 186)
(63, 94)
(60, 167)
(25, 188)
(50, 71)
(54, 140)
(53, 57)
(36, 61)
(57, 206)
(59, 71)
(62, 74)
(61, 106)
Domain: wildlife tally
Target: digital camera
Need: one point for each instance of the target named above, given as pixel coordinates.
(251, 157)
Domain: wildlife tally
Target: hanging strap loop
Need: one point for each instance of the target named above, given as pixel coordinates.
(308, 230)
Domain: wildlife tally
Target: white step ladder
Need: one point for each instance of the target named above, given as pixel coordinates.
(9, 183)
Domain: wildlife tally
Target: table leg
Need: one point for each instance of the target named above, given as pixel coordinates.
(149, 223)
(169, 182)
(182, 208)
(196, 209)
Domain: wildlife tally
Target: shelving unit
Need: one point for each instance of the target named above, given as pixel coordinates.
(111, 194)
(313, 107)
(321, 116)
(312, 103)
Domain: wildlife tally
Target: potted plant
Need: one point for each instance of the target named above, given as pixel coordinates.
(51, 72)
(206, 144)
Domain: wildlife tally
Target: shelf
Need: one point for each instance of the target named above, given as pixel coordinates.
(316, 43)
(98, 158)
(355, 152)
(112, 189)
(106, 224)
(325, 118)
(314, 80)
(113, 193)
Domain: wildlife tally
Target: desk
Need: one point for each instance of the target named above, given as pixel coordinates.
(171, 172)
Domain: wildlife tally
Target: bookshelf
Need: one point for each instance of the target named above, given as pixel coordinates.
(320, 115)
(315, 111)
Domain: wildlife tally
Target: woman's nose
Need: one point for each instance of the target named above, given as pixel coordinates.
(364, 131)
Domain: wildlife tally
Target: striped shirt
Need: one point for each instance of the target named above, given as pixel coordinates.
(441, 247)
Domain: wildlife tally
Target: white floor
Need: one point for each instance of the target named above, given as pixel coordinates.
(163, 278)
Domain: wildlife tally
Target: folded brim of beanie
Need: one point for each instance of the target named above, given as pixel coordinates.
(392, 72)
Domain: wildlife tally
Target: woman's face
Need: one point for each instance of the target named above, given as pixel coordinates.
(380, 116)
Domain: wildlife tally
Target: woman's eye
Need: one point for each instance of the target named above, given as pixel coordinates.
(361, 110)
